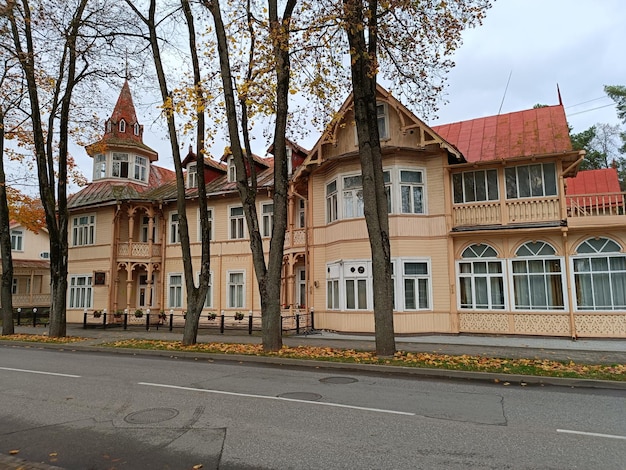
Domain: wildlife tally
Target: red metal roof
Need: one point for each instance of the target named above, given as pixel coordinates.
(601, 181)
(536, 131)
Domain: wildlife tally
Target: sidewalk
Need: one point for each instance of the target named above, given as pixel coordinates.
(591, 351)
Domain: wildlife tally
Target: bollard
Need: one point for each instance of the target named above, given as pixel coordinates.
(104, 319)
(222, 322)
(250, 323)
(297, 323)
(34, 316)
(84, 319)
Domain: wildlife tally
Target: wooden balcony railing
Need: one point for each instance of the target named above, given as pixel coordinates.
(138, 250)
(586, 205)
(30, 300)
(514, 211)
(295, 238)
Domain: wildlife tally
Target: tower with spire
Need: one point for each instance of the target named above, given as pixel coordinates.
(121, 155)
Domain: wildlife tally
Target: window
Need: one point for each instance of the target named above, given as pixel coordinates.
(538, 279)
(267, 211)
(192, 175)
(332, 286)
(80, 295)
(14, 286)
(83, 230)
(383, 124)
(175, 291)
(120, 165)
(17, 240)
(236, 292)
(145, 291)
(352, 196)
(301, 214)
(331, 201)
(236, 223)
(600, 275)
(141, 168)
(100, 167)
(44, 255)
(530, 181)
(232, 170)
(415, 278)
(109, 126)
(481, 279)
(136, 128)
(174, 235)
(122, 126)
(300, 288)
(209, 219)
(208, 300)
(356, 279)
(412, 192)
(146, 236)
(475, 186)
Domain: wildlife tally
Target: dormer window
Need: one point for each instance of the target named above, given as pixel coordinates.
(232, 170)
(122, 126)
(100, 167)
(136, 128)
(192, 175)
(383, 121)
(109, 126)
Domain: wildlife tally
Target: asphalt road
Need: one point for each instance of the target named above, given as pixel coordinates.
(86, 410)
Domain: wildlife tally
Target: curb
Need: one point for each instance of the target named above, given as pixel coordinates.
(487, 377)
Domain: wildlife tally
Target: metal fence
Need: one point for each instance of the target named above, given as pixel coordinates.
(31, 316)
(298, 323)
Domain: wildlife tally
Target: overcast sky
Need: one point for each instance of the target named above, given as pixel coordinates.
(577, 44)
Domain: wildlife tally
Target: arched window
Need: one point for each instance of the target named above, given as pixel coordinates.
(481, 279)
(537, 278)
(136, 128)
(109, 126)
(122, 126)
(600, 275)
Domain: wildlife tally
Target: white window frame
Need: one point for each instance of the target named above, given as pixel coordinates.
(267, 219)
(192, 175)
(592, 253)
(100, 167)
(236, 224)
(236, 291)
(136, 128)
(148, 290)
(120, 165)
(141, 168)
(17, 240)
(84, 230)
(416, 278)
(301, 223)
(536, 254)
(382, 117)
(175, 291)
(232, 170)
(536, 180)
(209, 212)
(333, 285)
(80, 293)
(356, 275)
(122, 125)
(412, 187)
(489, 256)
(174, 235)
(352, 203)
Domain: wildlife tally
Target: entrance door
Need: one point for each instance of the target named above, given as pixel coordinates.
(145, 292)
(300, 297)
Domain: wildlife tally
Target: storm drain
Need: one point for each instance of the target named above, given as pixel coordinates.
(338, 380)
(301, 396)
(151, 416)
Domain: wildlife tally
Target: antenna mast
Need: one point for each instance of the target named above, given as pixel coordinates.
(505, 90)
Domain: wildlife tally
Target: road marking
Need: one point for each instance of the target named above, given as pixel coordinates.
(595, 434)
(267, 397)
(39, 372)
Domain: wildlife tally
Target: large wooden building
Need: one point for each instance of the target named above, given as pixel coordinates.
(492, 228)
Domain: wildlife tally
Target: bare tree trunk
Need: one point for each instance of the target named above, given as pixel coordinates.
(6, 297)
(363, 68)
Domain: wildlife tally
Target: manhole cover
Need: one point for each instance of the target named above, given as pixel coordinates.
(151, 416)
(338, 380)
(301, 396)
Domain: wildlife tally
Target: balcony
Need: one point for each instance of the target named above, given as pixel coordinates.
(513, 211)
(605, 209)
(295, 238)
(136, 250)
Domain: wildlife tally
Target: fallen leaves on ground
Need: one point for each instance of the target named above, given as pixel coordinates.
(41, 338)
(541, 367)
